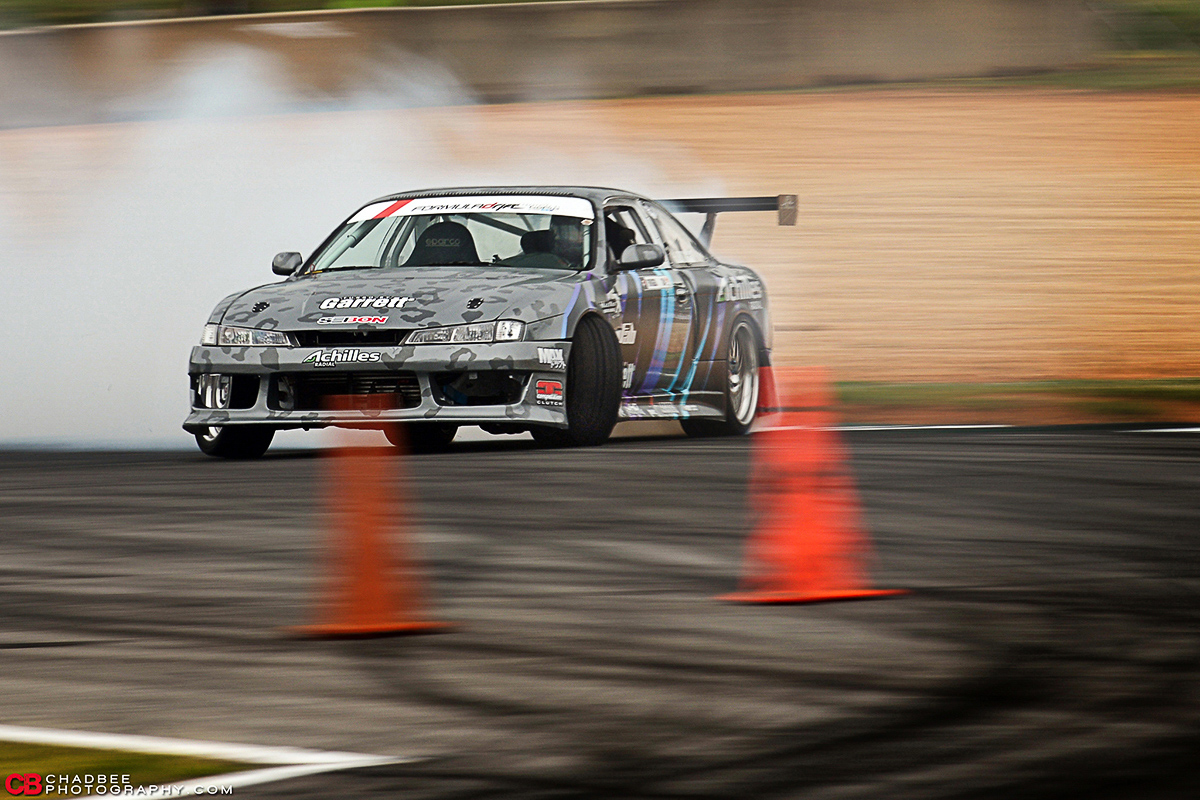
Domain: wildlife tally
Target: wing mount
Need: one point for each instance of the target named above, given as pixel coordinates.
(784, 204)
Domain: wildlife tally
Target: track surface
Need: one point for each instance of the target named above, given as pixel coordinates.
(1051, 647)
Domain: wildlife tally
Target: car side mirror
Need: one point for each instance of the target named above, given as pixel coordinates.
(640, 256)
(286, 263)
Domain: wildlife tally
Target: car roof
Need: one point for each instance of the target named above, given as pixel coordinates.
(596, 194)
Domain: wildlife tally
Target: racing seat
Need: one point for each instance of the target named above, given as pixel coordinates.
(538, 241)
(619, 237)
(444, 244)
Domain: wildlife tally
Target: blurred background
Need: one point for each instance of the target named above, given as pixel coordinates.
(997, 199)
(997, 224)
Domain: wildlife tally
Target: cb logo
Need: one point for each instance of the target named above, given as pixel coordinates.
(28, 784)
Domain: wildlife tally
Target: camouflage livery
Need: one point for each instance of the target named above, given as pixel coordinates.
(348, 329)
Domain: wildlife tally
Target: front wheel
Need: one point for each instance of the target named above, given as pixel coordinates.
(235, 441)
(593, 388)
(741, 388)
(421, 437)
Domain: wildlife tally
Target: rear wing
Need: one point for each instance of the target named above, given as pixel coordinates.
(785, 204)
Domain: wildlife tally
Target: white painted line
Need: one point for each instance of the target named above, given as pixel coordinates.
(226, 751)
(255, 777)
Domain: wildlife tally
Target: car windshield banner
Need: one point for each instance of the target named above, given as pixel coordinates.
(485, 204)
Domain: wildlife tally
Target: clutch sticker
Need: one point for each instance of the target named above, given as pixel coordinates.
(550, 393)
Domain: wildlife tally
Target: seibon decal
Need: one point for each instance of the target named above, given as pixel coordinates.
(550, 393)
(352, 320)
(387, 301)
(331, 358)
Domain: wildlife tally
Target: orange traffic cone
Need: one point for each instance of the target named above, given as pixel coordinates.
(373, 588)
(809, 545)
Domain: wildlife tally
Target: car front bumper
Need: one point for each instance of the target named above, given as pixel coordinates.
(523, 383)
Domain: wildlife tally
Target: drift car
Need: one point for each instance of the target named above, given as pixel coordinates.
(554, 310)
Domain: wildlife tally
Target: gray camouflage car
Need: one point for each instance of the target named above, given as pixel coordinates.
(554, 310)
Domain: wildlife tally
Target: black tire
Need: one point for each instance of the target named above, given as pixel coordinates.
(741, 387)
(593, 388)
(235, 441)
(421, 437)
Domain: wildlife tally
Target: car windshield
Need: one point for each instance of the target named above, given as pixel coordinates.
(519, 231)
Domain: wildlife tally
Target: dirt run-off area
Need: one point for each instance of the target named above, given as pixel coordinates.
(944, 235)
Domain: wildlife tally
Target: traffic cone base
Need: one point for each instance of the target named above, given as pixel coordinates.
(823, 597)
(368, 631)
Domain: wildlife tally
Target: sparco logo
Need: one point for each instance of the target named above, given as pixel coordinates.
(389, 301)
(328, 358)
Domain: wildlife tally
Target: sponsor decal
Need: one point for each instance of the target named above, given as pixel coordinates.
(550, 393)
(612, 303)
(330, 358)
(501, 204)
(626, 334)
(656, 283)
(552, 357)
(389, 301)
(739, 287)
(627, 376)
(352, 320)
(635, 410)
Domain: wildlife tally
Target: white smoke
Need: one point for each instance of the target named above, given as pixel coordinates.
(117, 239)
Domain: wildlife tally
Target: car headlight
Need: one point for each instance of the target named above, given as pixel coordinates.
(506, 330)
(228, 336)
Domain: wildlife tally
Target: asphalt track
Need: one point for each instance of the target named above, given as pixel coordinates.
(1050, 648)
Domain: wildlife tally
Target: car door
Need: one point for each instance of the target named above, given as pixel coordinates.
(694, 289)
(653, 318)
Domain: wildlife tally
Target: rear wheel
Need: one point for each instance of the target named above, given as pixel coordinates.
(593, 388)
(235, 441)
(741, 388)
(421, 437)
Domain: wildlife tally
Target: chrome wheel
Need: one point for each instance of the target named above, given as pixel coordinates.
(743, 374)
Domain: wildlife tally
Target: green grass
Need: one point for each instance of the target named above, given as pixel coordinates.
(143, 769)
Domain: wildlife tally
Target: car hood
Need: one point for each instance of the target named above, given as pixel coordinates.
(414, 297)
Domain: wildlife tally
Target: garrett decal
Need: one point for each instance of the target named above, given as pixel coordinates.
(329, 358)
(626, 334)
(551, 357)
(352, 320)
(390, 301)
(550, 393)
(627, 376)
